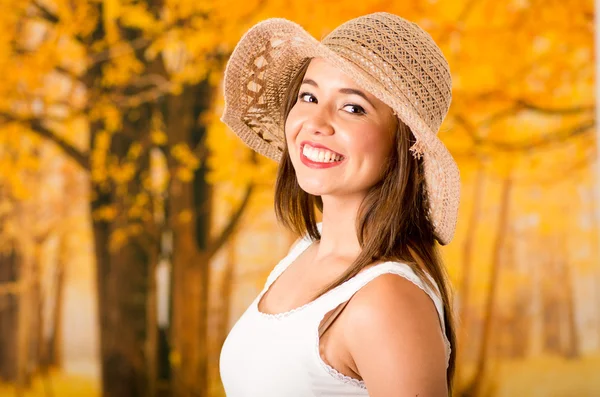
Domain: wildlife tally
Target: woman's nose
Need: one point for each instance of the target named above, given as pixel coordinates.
(319, 123)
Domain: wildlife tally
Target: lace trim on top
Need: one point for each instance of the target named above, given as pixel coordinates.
(413, 278)
(279, 316)
(277, 271)
(359, 383)
(280, 268)
(334, 372)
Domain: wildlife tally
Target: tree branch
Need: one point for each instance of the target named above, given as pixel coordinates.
(69, 73)
(557, 136)
(524, 105)
(45, 13)
(218, 242)
(152, 94)
(556, 111)
(118, 50)
(37, 127)
(511, 111)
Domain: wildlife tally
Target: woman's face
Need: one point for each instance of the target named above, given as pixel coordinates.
(338, 135)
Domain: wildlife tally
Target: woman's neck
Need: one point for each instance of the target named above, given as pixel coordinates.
(338, 233)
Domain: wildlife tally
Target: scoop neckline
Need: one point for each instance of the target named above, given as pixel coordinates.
(295, 310)
(287, 313)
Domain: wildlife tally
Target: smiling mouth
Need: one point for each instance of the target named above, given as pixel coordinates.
(322, 156)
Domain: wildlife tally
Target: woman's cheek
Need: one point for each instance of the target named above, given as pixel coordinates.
(291, 125)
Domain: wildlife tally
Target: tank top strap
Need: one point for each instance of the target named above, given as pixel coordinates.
(345, 291)
(294, 253)
(283, 264)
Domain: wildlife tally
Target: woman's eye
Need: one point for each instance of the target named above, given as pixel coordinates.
(307, 97)
(355, 109)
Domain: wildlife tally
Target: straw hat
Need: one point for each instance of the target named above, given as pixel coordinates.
(388, 56)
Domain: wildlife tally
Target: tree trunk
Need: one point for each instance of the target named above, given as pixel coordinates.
(121, 282)
(572, 348)
(189, 219)
(223, 308)
(37, 306)
(53, 351)
(24, 319)
(225, 293)
(119, 376)
(189, 208)
(571, 340)
(535, 306)
(475, 388)
(468, 248)
(9, 309)
(120, 276)
(123, 276)
(151, 350)
(551, 304)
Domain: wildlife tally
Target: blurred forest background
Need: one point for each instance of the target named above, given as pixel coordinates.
(135, 228)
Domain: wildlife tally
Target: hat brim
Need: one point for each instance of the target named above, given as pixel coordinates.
(262, 65)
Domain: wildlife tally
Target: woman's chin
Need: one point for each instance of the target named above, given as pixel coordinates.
(314, 189)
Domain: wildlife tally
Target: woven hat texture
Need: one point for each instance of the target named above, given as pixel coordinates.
(391, 58)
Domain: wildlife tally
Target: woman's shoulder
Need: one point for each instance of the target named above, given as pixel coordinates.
(388, 292)
(394, 292)
(390, 270)
(397, 283)
(394, 322)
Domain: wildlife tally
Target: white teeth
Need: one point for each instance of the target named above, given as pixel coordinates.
(321, 156)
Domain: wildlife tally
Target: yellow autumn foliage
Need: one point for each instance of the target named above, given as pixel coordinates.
(523, 108)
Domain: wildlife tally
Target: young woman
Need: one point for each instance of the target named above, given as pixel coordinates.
(361, 305)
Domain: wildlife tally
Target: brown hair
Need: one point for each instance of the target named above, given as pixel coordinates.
(392, 221)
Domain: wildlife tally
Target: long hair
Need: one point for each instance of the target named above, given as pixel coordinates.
(392, 221)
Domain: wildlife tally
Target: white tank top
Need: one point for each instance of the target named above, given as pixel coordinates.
(274, 355)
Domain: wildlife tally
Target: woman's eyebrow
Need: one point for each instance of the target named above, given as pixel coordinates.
(310, 82)
(350, 91)
(353, 91)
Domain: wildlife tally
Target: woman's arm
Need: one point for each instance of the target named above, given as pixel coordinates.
(395, 339)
